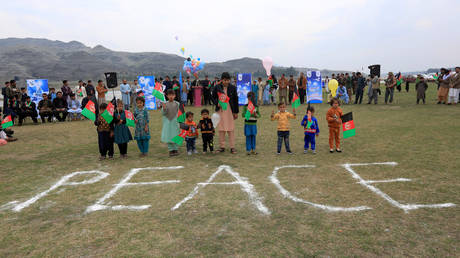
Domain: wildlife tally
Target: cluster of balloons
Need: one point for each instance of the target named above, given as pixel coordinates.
(193, 66)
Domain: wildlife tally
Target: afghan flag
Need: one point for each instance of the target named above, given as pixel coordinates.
(295, 101)
(223, 100)
(179, 139)
(80, 92)
(399, 79)
(158, 92)
(181, 114)
(7, 122)
(175, 87)
(309, 123)
(250, 110)
(129, 118)
(108, 113)
(348, 125)
(89, 111)
(435, 76)
(141, 94)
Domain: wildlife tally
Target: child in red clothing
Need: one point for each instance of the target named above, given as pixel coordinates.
(192, 133)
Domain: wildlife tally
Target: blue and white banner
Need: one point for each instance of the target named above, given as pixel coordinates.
(314, 88)
(147, 84)
(243, 86)
(35, 90)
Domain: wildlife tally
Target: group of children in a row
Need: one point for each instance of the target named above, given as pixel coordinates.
(118, 132)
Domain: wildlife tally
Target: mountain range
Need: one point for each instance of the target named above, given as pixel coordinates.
(26, 58)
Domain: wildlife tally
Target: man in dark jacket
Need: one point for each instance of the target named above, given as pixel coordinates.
(60, 107)
(45, 108)
(360, 89)
(28, 108)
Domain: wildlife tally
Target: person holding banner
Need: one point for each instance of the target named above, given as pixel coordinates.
(225, 96)
(282, 92)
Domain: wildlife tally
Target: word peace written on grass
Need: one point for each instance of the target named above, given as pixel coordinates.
(243, 183)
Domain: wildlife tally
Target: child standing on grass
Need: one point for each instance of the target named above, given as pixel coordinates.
(311, 130)
(170, 124)
(333, 117)
(122, 133)
(207, 131)
(250, 125)
(283, 126)
(142, 133)
(104, 135)
(192, 133)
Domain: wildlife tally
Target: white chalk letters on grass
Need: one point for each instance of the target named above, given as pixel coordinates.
(101, 203)
(368, 184)
(243, 182)
(64, 181)
(274, 179)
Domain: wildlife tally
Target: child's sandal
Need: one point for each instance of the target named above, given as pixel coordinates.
(232, 151)
(221, 150)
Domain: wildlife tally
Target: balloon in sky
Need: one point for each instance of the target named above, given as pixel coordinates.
(267, 62)
(333, 85)
(176, 37)
(182, 50)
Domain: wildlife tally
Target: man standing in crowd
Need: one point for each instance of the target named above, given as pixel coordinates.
(354, 82)
(45, 108)
(261, 85)
(444, 85)
(375, 86)
(66, 90)
(282, 92)
(189, 91)
(176, 88)
(454, 90)
(8, 94)
(125, 90)
(101, 90)
(206, 90)
(60, 107)
(390, 84)
(28, 108)
(167, 83)
(360, 89)
(348, 85)
(133, 94)
(302, 86)
(90, 91)
(292, 89)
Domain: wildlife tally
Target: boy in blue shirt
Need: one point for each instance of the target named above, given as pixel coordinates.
(311, 129)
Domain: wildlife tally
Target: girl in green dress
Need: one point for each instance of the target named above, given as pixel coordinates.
(170, 124)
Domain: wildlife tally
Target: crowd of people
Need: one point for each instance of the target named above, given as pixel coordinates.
(67, 103)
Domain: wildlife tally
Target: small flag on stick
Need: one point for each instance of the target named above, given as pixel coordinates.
(223, 100)
(129, 118)
(7, 122)
(108, 113)
(348, 125)
(250, 110)
(179, 139)
(89, 111)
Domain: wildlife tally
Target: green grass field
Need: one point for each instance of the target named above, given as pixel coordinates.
(220, 220)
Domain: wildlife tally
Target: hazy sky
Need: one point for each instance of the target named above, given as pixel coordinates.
(404, 35)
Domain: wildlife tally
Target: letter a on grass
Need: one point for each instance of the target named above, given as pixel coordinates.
(89, 111)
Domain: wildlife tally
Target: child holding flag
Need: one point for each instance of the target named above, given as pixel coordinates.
(192, 133)
(104, 134)
(283, 126)
(142, 134)
(207, 131)
(251, 113)
(170, 125)
(121, 131)
(311, 130)
(333, 117)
